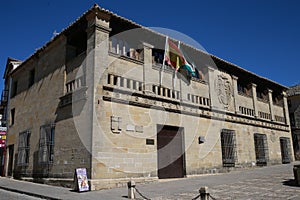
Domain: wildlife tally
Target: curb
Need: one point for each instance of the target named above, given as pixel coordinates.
(29, 193)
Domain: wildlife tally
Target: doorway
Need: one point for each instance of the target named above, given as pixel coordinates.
(285, 150)
(10, 160)
(261, 149)
(170, 150)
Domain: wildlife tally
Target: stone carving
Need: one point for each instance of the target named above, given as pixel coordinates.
(223, 88)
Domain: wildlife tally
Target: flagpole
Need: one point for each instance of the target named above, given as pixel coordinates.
(174, 75)
(163, 65)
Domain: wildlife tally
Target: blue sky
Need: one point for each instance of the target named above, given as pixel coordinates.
(262, 36)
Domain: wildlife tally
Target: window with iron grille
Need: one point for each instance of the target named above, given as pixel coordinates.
(285, 145)
(228, 145)
(261, 149)
(24, 148)
(46, 144)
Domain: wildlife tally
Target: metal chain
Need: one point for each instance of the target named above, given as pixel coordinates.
(146, 198)
(196, 197)
(212, 197)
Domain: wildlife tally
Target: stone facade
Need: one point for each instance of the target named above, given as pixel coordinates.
(109, 105)
(294, 111)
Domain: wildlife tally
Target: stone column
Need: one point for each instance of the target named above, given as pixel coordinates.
(271, 104)
(254, 97)
(131, 84)
(235, 93)
(147, 67)
(118, 81)
(286, 109)
(211, 82)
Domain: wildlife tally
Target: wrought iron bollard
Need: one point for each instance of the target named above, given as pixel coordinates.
(204, 194)
(131, 190)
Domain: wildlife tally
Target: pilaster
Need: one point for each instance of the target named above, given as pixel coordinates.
(147, 66)
(211, 80)
(271, 104)
(254, 97)
(96, 74)
(286, 109)
(235, 93)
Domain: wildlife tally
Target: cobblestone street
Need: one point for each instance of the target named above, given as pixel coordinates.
(271, 182)
(275, 182)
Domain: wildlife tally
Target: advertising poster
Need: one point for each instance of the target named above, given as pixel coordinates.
(81, 180)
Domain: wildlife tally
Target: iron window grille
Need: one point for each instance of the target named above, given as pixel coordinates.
(261, 149)
(46, 144)
(228, 145)
(24, 148)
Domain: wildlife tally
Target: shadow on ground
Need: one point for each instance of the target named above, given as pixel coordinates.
(290, 182)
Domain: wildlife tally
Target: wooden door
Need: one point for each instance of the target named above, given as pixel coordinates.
(170, 149)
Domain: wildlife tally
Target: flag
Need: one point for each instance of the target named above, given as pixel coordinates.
(175, 57)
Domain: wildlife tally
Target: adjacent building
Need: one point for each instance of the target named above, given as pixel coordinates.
(100, 96)
(294, 111)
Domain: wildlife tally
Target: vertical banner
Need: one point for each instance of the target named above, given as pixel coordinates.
(81, 180)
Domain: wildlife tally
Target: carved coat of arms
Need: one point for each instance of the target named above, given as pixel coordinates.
(223, 89)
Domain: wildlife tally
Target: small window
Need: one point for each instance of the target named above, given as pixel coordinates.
(12, 116)
(14, 89)
(31, 77)
(46, 144)
(24, 148)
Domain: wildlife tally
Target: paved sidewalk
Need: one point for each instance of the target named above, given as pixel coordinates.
(274, 182)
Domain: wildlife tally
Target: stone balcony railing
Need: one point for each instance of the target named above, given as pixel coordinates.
(122, 48)
(264, 115)
(246, 111)
(75, 84)
(203, 101)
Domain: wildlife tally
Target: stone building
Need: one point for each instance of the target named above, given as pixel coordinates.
(98, 96)
(294, 111)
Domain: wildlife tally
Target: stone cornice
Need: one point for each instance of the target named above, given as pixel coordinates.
(140, 99)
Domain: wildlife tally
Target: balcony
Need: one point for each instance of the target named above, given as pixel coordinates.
(124, 49)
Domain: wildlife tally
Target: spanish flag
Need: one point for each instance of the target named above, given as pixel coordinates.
(173, 55)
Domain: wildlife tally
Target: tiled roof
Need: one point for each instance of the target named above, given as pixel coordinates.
(294, 90)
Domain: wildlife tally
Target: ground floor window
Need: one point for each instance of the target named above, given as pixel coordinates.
(228, 145)
(46, 143)
(261, 149)
(285, 146)
(24, 148)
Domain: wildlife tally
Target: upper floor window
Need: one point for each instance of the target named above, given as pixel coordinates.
(12, 116)
(31, 77)
(244, 89)
(14, 89)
